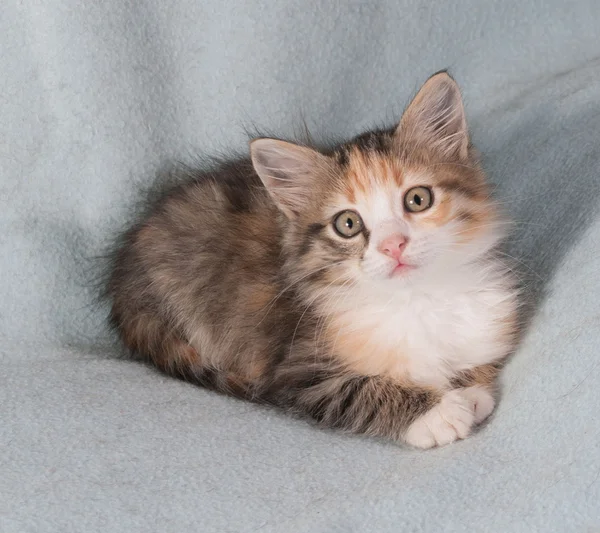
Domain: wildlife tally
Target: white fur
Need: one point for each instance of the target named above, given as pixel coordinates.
(483, 402)
(445, 315)
(435, 328)
(451, 419)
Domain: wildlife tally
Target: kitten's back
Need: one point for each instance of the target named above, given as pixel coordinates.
(190, 282)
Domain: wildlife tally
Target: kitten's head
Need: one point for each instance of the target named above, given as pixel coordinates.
(390, 207)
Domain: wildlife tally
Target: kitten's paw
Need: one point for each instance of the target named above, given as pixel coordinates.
(448, 421)
(483, 402)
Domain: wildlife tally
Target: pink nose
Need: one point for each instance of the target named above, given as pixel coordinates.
(393, 246)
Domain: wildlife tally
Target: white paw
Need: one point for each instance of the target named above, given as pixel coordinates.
(483, 402)
(451, 419)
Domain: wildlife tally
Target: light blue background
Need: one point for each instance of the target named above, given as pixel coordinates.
(96, 97)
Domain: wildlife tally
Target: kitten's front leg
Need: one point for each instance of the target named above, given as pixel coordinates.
(469, 402)
(422, 417)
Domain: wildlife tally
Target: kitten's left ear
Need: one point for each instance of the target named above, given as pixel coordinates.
(288, 171)
(435, 119)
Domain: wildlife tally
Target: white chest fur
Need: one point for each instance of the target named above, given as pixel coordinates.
(426, 333)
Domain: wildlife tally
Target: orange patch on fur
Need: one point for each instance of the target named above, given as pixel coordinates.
(368, 169)
(360, 352)
(509, 328)
(438, 215)
(472, 222)
(485, 374)
(255, 369)
(187, 354)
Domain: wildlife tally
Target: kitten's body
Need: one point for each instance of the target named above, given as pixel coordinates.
(242, 284)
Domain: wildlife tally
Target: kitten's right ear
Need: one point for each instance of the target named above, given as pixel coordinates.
(288, 172)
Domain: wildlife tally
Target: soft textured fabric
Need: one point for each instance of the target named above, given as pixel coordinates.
(97, 97)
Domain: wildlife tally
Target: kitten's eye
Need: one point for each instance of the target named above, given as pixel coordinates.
(348, 224)
(418, 199)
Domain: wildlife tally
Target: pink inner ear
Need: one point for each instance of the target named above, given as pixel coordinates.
(436, 118)
(288, 171)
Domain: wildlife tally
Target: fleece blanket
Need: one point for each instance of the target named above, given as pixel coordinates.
(97, 97)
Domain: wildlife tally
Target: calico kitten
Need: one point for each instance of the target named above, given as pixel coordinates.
(358, 286)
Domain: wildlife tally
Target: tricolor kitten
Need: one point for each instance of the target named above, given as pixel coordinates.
(358, 287)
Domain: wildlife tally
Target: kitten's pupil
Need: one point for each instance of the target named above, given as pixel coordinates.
(349, 223)
(417, 199)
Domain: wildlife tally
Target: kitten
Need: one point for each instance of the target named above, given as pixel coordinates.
(357, 287)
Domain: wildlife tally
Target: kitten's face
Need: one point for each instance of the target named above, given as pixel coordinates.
(387, 220)
(389, 208)
(400, 220)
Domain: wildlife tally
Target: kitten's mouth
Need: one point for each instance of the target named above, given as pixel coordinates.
(401, 269)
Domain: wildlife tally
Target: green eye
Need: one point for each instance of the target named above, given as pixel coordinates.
(348, 224)
(418, 199)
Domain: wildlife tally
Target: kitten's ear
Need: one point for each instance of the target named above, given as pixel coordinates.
(435, 118)
(288, 172)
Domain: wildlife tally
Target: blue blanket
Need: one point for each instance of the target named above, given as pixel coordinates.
(97, 97)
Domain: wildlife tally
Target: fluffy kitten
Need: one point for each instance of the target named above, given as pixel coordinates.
(357, 287)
